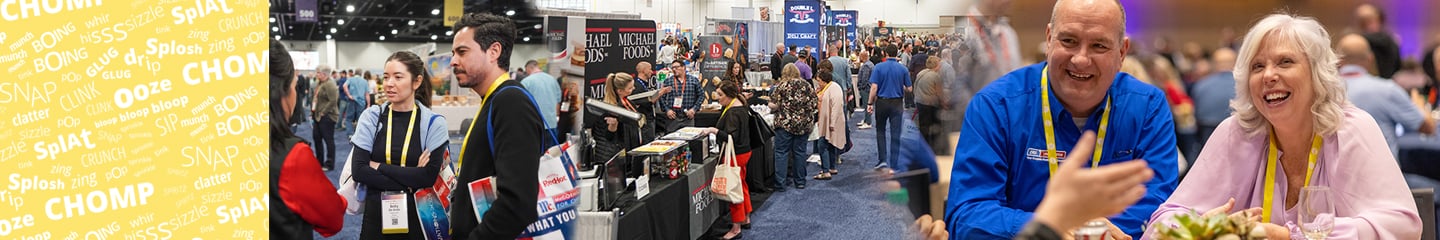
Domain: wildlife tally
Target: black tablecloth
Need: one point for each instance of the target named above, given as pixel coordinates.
(658, 215)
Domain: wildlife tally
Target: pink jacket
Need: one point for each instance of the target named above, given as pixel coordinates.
(832, 115)
(1368, 191)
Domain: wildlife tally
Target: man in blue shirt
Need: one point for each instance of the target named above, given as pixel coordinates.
(1019, 126)
(888, 84)
(546, 91)
(1383, 99)
(359, 90)
(1212, 96)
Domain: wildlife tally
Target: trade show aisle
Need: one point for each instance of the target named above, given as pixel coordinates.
(849, 206)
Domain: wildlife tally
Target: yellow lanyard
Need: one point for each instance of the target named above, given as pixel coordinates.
(488, 94)
(1270, 172)
(390, 132)
(1050, 125)
(727, 108)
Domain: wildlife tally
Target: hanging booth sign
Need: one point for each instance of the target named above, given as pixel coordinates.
(802, 23)
(615, 46)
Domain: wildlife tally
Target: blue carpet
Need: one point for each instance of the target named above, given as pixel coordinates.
(849, 206)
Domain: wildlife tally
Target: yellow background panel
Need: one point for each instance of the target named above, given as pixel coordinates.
(133, 119)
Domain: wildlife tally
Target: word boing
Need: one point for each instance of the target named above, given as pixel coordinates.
(102, 140)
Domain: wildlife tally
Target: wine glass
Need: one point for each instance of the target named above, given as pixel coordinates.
(1317, 212)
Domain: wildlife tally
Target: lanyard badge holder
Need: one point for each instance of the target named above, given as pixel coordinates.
(1050, 125)
(395, 218)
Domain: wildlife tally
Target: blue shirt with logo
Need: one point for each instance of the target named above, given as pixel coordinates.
(1000, 170)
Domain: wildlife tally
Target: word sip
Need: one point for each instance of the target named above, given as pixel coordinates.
(32, 8)
(188, 15)
(63, 144)
(98, 201)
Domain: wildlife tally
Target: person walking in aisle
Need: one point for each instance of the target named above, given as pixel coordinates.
(831, 122)
(547, 93)
(888, 84)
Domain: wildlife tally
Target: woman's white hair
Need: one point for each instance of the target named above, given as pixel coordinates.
(1315, 42)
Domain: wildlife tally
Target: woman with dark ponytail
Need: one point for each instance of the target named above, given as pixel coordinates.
(734, 124)
(302, 198)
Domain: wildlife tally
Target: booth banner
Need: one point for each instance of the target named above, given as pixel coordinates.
(741, 31)
(125, 121)
(834, 34)
(718, 52)
(613, 46)
(847, 18)
(883, 32)
(441, 74)
(306, 11)
(802, 23)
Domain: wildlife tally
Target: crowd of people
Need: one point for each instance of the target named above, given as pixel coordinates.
(1164, 132)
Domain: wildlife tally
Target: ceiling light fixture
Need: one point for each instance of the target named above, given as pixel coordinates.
(341, 21)
(435, 12)
(382, 38)
(412, 22)
(393, 31)
(332, 30)
(349, 8)
(509, 12)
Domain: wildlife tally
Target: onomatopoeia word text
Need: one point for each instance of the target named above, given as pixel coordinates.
(54, 60)
(247, 206)
(236, 124)
(160, 231)
(33, 183)
(30, 117)
(159, 49)
(9, 91)
(8, 225)
(103, 232)
(232, 103)
(21, 9)
(118, 32)
(79, 96)
(207, 182)
(63, 144)
(187, 15)
(124, 97)
(211, 155)
(234, 66)
(98, 201)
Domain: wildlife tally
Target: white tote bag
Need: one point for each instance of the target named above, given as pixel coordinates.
(351, 190)
(726, 185)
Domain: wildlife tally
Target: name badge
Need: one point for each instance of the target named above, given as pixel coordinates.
(394, 218)
(678, 101)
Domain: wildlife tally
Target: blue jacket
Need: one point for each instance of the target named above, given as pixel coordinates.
(1001, 171)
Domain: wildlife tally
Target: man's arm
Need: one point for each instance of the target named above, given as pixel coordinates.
(1412, 118)
(976, 206)
(517, 148)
